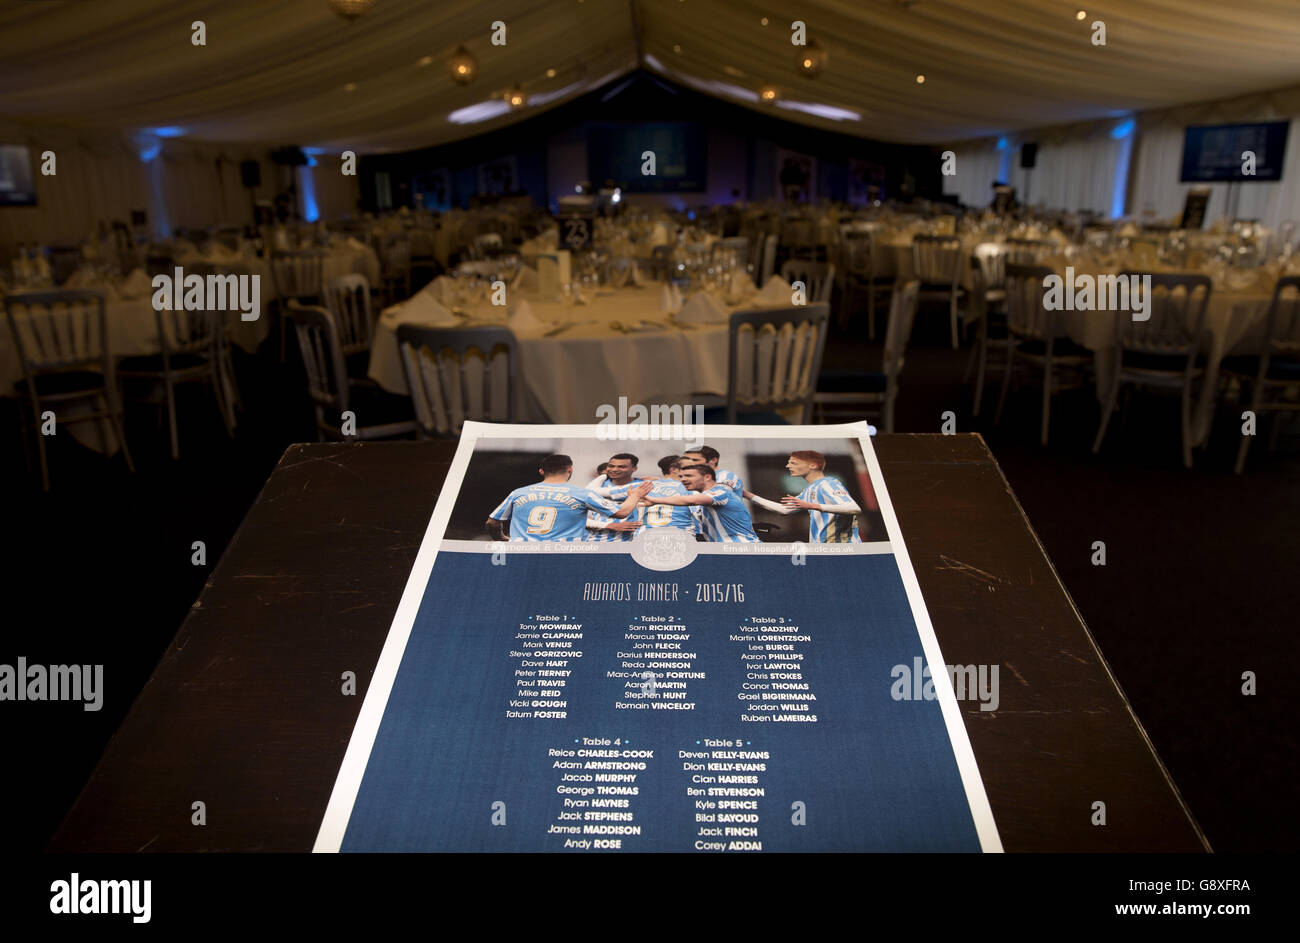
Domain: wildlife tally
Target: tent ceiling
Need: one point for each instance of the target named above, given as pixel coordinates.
(280, 70)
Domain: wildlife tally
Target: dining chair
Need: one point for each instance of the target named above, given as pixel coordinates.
(733, 247)
(454, 374)
(296, 276)
(661, 258)
(1163, 350)
(61, 338)
(936, 264)
(818, 278)
(1022, 251)
(861, 273)
(376, 414)
(841, 392)
(486, 245)
(1273, 376)
(986, 309)
(348, 300)
(395, 266)
(774, 357)
(767, 264)
(1034, 335)
(193, 348)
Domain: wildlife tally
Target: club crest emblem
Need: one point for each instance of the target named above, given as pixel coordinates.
(663, 548)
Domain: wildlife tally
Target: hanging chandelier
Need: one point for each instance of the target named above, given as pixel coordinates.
(463, 65)
(810, 60)
(350, 9)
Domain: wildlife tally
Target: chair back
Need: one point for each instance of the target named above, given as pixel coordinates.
(775, 355)
(124, 243)
(936, 260)
(767, 264)
(1284, 318)
(1027, 315)
(348, 300)
(55, 331)
(395, 254)
(297, 274)
(735, 248)
(991, 259)
(196, 332)
(487, 245)
(456, 374)
(1029, 251)
(902, 315)
(322, 356)
(857, 252)
(1176, 315)
(818, 277)
(661, 258)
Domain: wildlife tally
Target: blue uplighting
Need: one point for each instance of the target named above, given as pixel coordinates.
(307, 186)
(1002, 144)
(168, 132)
(1124, 134)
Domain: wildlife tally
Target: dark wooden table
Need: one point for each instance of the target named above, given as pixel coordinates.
(245, 712)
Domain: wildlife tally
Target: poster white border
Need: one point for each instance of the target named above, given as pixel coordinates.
(348, 782)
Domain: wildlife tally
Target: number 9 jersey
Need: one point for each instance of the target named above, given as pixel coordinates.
(547, 511)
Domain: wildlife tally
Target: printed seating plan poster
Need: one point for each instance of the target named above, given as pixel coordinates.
(697, 658)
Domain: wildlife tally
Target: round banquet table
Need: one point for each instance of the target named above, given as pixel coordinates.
(564, 377)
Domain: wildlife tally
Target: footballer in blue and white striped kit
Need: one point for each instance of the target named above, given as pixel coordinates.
(554, 509)
(726, 519)
(832, 513)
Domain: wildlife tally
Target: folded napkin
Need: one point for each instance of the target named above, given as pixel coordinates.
(352, 242)
(219, 253)
(775, 294)
(670, 298)
(702, 308)
(523, 321)
(82, 278)
(135, 285)
(420, 308)
(659, 237)
(741, 284)
(440, 289)
(525, 279)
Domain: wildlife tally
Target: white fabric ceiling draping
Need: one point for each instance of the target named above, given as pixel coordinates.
(276, 70)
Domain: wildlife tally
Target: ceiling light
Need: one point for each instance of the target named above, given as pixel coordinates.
(1081, 15)
(350, 87)
(425, 60)
(763, 21)
(920, 78)
(811, 59)
(350, 9)
(516, 98)
(550, 73)
(767, 94)
(464, 67)
(676, 48)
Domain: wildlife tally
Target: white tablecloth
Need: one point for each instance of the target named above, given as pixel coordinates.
(565, 377)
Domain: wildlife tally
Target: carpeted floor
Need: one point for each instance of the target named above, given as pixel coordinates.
(1200, 582)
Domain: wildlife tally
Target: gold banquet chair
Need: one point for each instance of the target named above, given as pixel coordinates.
(1164, 350)
(377, 414)
(62, 344)
(458, 374)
